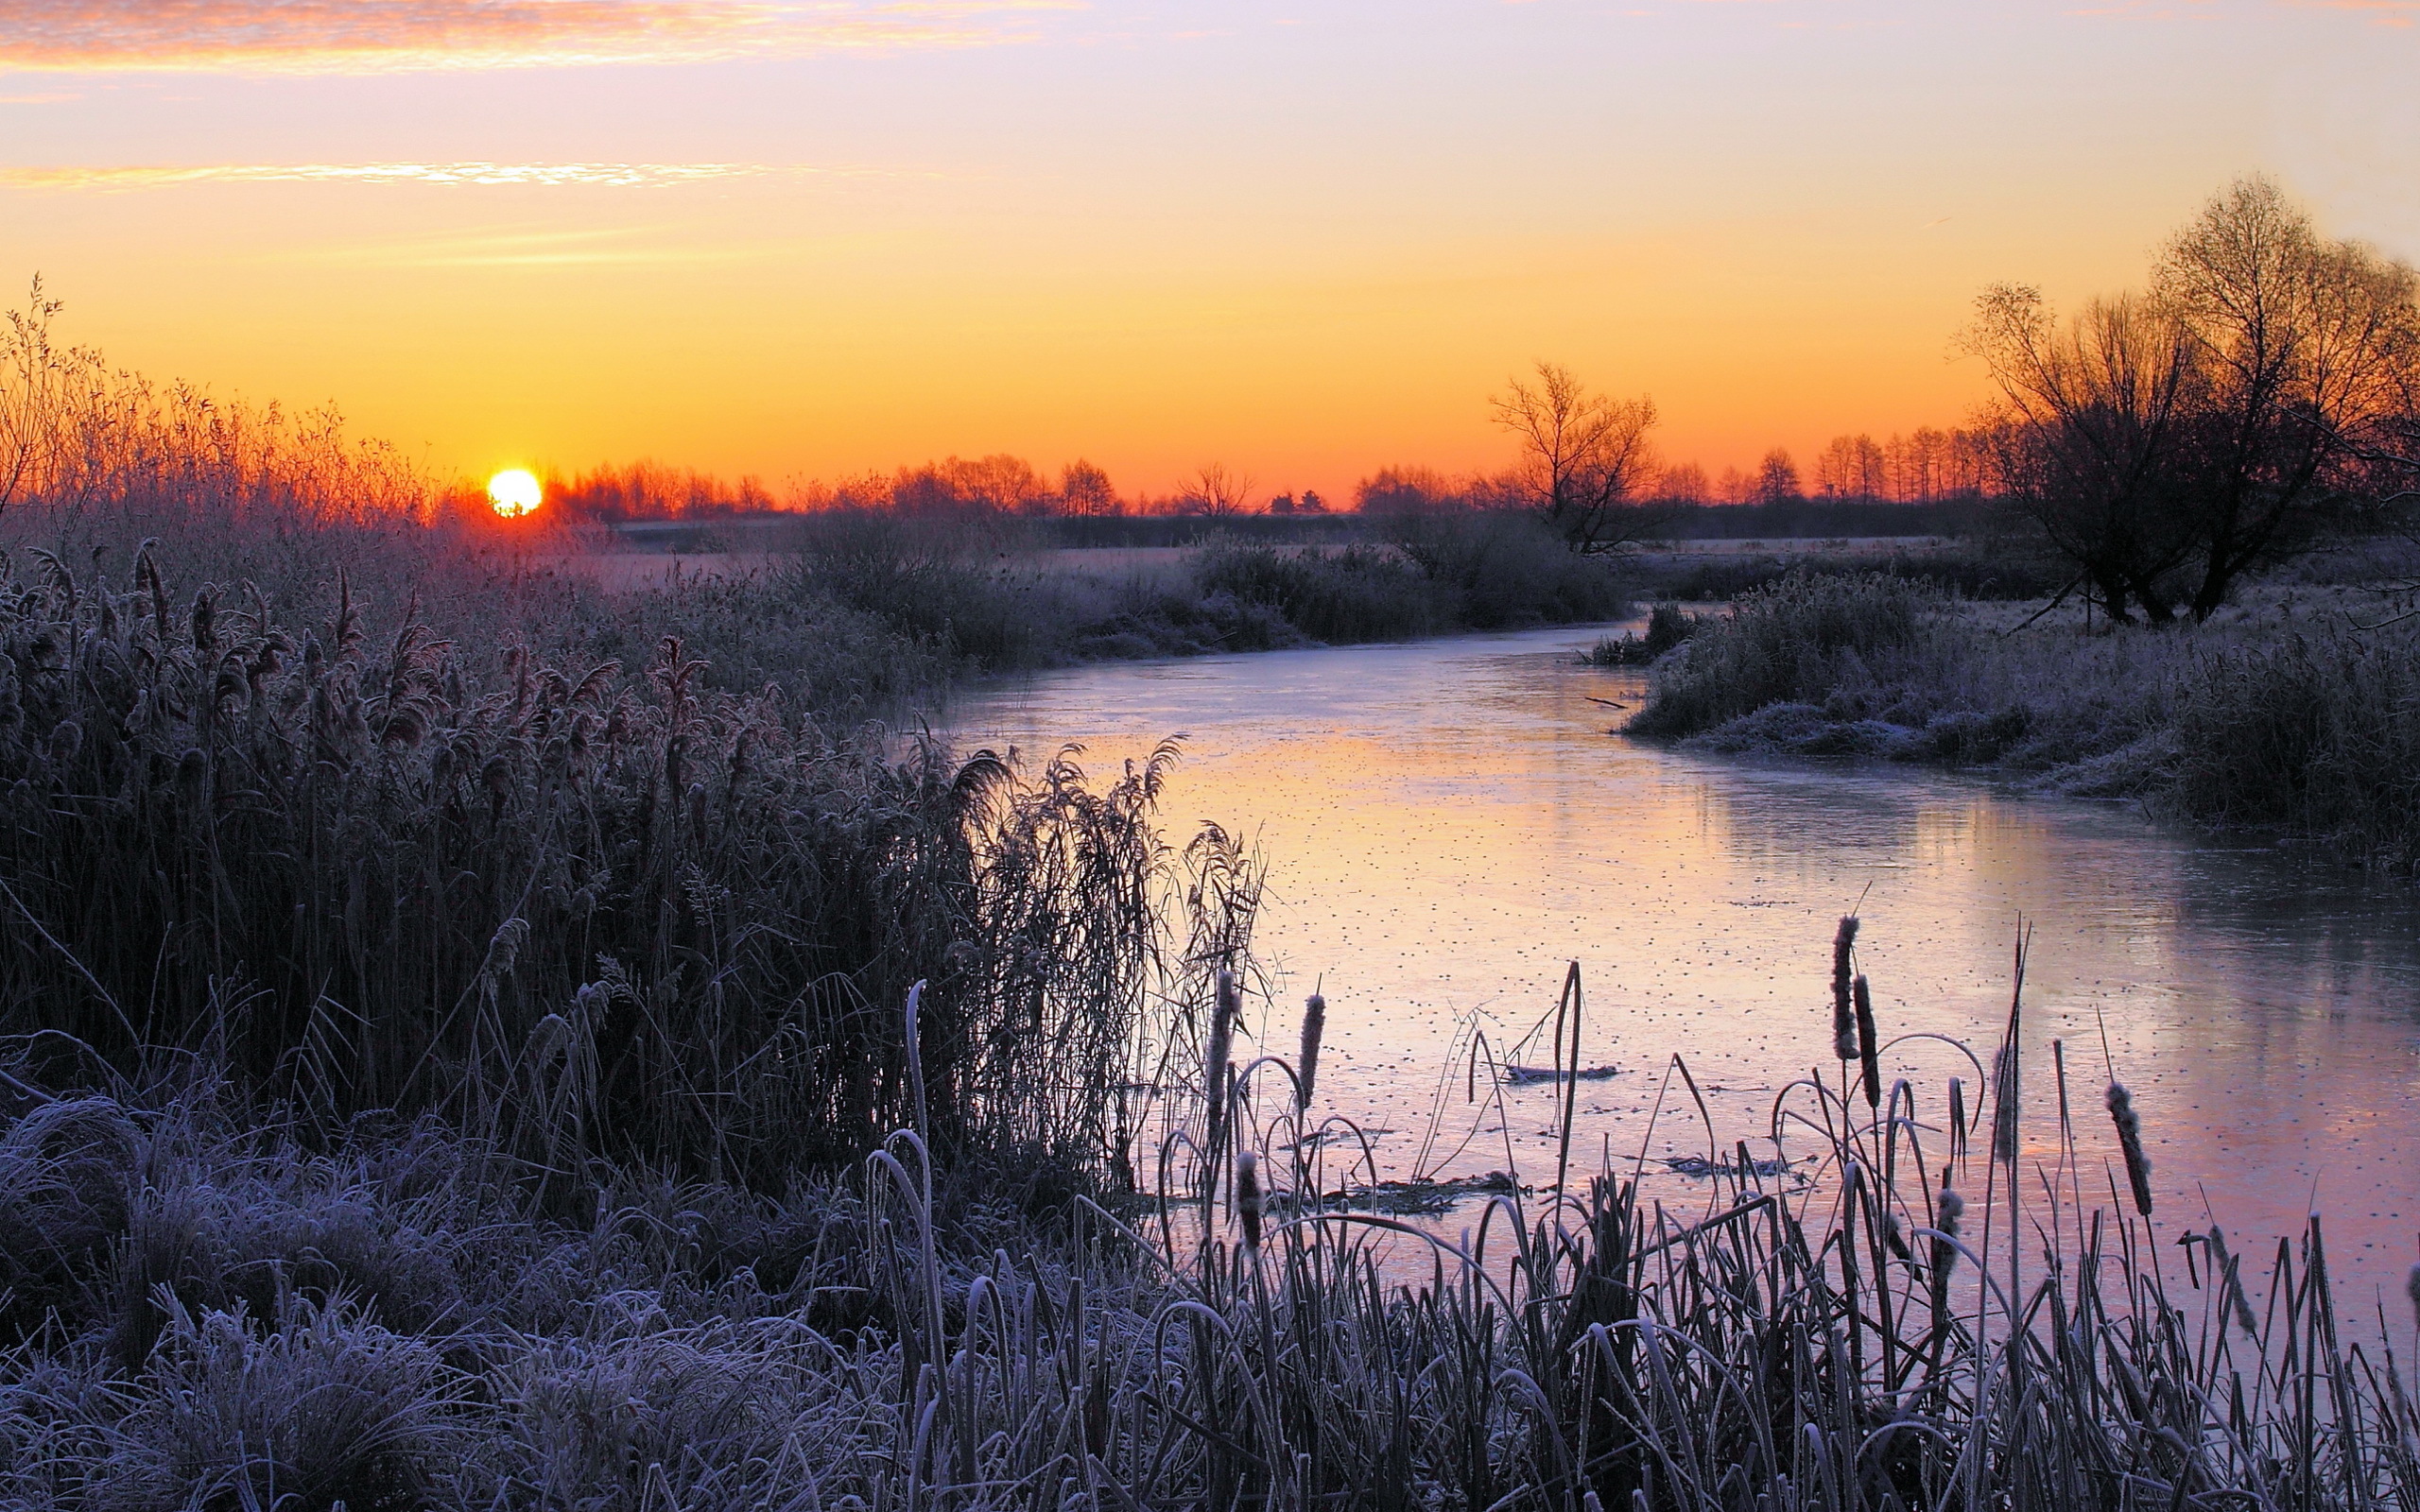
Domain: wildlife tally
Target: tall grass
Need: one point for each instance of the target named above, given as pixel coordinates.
(600, 911)
(2286, 717)
(1789, 642)
(223, 1316)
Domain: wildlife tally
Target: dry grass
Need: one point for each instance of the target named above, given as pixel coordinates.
(397, 1321)
(2293, 711)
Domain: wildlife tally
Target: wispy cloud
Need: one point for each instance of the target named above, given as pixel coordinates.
(379, 36)
(618, 247)
(608, 175)
(2383, 13)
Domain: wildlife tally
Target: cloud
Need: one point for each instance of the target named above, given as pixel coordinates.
(382, 36)
(609, 174)
(2381, 12)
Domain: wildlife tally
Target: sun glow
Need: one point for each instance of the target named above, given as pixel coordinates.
(514, 492)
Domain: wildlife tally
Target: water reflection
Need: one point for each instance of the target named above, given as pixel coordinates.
(1449, 823)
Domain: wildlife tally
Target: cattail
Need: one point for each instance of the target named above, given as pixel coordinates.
(2411, 1289)
(1314, 1026)
(1949, 1207)
(1248, 1196)
(1869, 1051)
(2004, 1103)
(1894, 1234)
(1843, 1013)
(2235, 1287)
(1214, 1064)
(1957, 1115)
(2130, 1140)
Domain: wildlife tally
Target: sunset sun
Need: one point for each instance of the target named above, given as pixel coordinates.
(514, 492)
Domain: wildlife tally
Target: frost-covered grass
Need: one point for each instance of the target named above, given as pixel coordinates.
(2296, 711)
(207, 1308)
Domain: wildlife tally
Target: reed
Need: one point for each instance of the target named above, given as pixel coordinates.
(351, 872)
(382, 1319)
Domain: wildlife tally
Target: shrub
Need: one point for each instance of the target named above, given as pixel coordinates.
(1668, 626)
(1505, 569)
(2318, 736)
(1789, 642)
(1357, 593)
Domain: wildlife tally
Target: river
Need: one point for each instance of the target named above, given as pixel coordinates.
(1448, 823)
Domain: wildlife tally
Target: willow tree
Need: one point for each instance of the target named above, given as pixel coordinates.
(2171, 441)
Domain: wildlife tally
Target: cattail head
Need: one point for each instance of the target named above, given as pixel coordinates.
(1947, 1208)
(2004, 1104)
(1843, 1013)
(1314, 1026)
(1869, 1046)
(1213, 1060)
(2243, 1304)
(2130, 1140)
(1248, 1196)
(2411, 1289)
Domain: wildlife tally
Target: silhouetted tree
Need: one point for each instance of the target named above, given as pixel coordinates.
(2091, 436)
(1084, 488)
(2304, 350)
(2169, 443)
(1216, 490)
(1776, 479)
(1584, 456)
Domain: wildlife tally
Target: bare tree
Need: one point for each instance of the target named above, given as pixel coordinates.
(29, 374)
(1085, 489)
(1776, 478)
(2305, 346)
(2090, 435)
(2171, 442)
(1585, 457)
(1216, 490)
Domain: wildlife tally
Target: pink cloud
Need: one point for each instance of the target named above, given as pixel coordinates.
(366, 36)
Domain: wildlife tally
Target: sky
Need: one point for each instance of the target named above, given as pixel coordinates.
(1299, 238)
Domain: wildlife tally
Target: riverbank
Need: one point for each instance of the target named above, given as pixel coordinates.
(440, 1074)
(2293, 715)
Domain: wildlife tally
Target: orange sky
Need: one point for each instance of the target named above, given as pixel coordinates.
(1305, 239)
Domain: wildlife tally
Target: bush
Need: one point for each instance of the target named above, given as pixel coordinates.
(1668, 626)
(1357, 593)
(2319, 737)
(937, 584)
(1505, 570)
(1793, 641)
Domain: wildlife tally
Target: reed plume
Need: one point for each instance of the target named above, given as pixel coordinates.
(1843, 1012)
(1307, 1068)
(2130, 1140)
